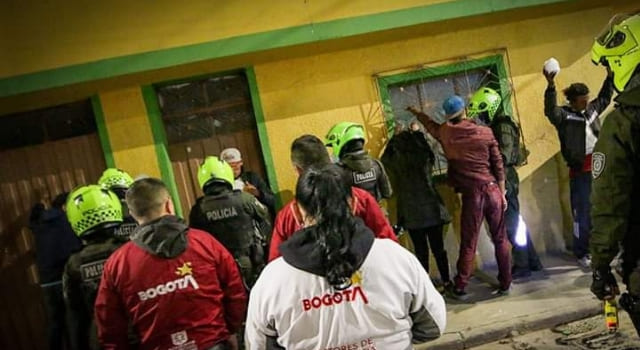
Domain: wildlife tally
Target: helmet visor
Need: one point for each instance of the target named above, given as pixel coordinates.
(607, 32)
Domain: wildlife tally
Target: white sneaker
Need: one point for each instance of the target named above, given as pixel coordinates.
(585, 262)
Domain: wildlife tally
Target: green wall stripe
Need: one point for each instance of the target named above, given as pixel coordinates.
(263, 135)
(103, 133)
(160, 143)
(308, 33)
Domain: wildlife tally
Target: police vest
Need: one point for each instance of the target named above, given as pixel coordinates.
(91, 260)
(513, 157)
(129, 224)
(228, 221)
(368, 179)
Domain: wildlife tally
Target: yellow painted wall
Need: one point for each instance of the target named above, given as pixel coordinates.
(308, 94)
(38, 35)
(132, 143)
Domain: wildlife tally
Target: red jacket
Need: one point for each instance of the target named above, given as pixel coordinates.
(187, 298)
(365, 206)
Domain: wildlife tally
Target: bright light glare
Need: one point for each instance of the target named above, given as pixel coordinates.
(521, 233)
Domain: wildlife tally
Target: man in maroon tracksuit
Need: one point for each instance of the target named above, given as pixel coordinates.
(475, 170)
(178, 287)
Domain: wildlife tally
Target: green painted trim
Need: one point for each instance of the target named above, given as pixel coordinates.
(160, 143)
(303, 34)
(263, 135)
(103, 133)
(505, 86)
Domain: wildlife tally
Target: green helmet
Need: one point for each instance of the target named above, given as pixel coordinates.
(484, 100)
(214, 170)
(342, 133)
(618, 46)
(115, 178)
(92, 207)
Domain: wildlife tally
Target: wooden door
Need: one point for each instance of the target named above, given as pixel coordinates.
(28, 175)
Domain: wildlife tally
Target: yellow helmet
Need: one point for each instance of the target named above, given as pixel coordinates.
(618, 46)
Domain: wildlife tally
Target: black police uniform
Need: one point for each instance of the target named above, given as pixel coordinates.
(507, 134)
(129, 224)
(80, 281)
(240, 222)
(367, 173)
(615, 211)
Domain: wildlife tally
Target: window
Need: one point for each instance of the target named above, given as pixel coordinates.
(205, 108)
(202, 117)
(427, 88)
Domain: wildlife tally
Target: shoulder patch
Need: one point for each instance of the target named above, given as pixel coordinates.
(598, 162)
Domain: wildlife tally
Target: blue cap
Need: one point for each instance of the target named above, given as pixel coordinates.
(453, 106)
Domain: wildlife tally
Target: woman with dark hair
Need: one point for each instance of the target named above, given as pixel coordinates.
(336, 286)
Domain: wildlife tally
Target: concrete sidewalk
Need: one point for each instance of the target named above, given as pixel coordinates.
(557, 295)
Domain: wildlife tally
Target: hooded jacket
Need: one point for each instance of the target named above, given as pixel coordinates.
(409, 160)
(55, 241)
(289, 220)
(179, 287)
(390, 304)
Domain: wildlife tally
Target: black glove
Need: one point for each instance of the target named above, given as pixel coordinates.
(604, 285)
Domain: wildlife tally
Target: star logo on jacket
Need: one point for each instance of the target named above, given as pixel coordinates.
(356, 278)
(185, 269)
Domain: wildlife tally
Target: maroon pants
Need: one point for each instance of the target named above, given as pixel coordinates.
(483, 202)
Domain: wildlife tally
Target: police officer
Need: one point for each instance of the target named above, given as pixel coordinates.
(236, 218)
(484, 105)
(615, 211)
(118, 182)
(94, 214)
(346, 139)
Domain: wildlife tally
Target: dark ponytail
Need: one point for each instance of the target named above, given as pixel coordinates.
(324, 194)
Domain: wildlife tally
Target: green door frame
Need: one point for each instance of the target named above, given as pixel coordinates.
(160, 138)
(160, 144)
(494, 62)
(103, 133)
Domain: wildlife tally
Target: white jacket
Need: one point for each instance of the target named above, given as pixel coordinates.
(390, 304)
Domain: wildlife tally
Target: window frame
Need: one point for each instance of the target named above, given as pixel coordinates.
(156, 122)
(493, 62)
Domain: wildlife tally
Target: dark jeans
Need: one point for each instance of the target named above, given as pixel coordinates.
(435, 236)
(483, 202)
(580, 187)
(523, 256)
(56, 316)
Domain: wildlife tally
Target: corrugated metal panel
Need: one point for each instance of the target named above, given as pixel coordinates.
(186, 159)
(28, 175)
